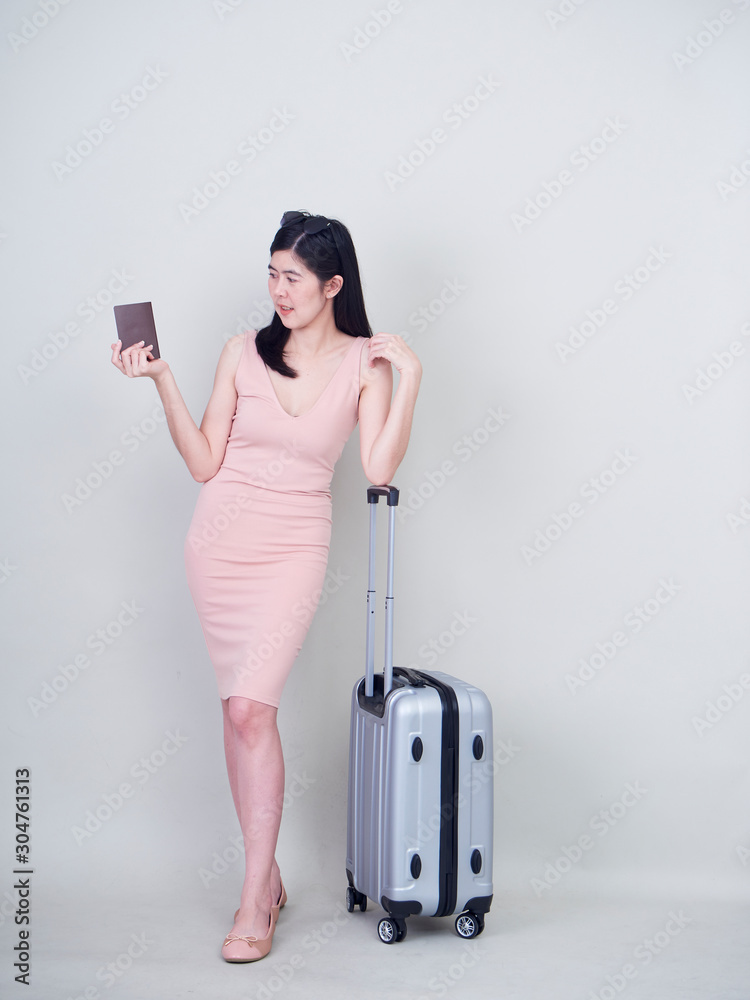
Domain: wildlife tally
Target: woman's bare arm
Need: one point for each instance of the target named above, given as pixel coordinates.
(202, 448)
(385, 423)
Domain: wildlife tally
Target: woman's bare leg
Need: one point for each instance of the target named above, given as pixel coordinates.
(231, 758)
(255, 765)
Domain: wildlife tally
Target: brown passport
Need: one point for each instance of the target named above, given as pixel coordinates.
(135, 322)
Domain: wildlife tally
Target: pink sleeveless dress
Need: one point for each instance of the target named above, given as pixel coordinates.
(257, 548)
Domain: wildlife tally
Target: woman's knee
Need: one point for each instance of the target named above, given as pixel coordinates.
(250, 718)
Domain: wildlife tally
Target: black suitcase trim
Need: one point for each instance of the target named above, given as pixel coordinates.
(376, 704)
(404, 908)
(448, 851)
(479, 904)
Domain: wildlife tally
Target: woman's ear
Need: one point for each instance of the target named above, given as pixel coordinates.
(334, 286)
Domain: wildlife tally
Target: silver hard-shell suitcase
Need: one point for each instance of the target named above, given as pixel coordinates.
(420, 815)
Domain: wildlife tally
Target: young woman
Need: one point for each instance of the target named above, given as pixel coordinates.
(284, 402)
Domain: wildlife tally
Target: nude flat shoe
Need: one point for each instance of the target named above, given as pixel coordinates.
(257, 947)
(277, 906)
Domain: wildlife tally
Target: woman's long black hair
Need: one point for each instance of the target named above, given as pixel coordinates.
(328, 252)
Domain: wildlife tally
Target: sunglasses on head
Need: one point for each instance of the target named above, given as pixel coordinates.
(312, 223)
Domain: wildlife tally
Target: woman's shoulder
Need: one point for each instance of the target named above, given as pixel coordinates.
(359, 339)
(344, 340)
(234, 351)
(235, 344)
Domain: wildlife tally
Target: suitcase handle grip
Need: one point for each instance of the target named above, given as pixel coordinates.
(411, 676)
(374, 493)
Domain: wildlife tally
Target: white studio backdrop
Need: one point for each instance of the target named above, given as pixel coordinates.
(550, 203)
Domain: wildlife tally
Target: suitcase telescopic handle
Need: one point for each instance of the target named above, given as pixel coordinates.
(373, 495)
(375, 492)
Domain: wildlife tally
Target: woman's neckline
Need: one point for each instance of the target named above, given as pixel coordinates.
(297, 416)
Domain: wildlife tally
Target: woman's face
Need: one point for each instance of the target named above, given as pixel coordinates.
(296, 293)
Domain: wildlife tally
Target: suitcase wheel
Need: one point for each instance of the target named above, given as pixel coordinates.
(354, 898)
(391, 929)
(469, 925)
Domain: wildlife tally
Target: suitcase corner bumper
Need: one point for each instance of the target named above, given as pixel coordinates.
(401, 908)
